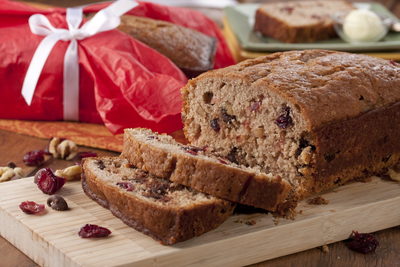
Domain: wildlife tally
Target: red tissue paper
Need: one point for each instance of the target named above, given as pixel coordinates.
(122, 82)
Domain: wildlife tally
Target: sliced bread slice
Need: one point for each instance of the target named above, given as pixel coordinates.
(161, 155)
(161, 209)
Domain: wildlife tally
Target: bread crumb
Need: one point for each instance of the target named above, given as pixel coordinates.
(252, 222)
(325, 248)
(335, 191)
(319, 201)
(332, 210)
(301, 212)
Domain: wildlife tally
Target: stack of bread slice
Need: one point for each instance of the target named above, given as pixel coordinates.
(174, 192)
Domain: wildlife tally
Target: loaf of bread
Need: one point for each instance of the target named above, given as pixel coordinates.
(298, 21)
(166, 211)
(315, 118)
(192, 166)
(192, 51)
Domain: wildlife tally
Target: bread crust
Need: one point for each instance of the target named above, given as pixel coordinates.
(319, 25)
(192, 51)
(204, 175)
(166, 224)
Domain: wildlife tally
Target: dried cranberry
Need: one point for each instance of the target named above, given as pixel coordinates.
(222, 161)
(226, 117)
(284, 120)
(363, 243)
(92, 230)
(192, 150)
(31, 207)
(215, 125)
(48, 182)
(255, 106)
(287, 9)
(87, 154)
(392, 62)
(34, 158)
(126, 185)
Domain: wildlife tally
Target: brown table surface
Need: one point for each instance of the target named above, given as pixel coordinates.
(13, 146)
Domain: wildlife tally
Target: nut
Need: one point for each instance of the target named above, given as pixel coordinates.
(53, 146)
(57, 203)
(394, 175)
(200, 111)
(258, 132)
(71, 173)
(228, 108)
(67, 149)
(7, 173)
(305, 156)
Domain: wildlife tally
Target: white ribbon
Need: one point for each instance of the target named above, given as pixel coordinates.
(106, 19)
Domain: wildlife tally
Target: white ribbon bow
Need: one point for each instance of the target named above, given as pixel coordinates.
(106, 19)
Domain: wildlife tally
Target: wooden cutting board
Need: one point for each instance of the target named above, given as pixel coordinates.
(51, 238)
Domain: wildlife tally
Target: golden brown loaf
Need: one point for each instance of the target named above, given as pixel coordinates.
(316, 118)
(192, 51)
(164, 210)
(161, 155)
(298, 21)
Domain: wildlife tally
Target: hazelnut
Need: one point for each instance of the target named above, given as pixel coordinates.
(67, 149)
(57, 203)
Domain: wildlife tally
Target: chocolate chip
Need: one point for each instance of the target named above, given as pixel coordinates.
(57, 203)
(11, 165)
(101, 165)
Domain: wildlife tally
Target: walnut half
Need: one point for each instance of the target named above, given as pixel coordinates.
(71, 173)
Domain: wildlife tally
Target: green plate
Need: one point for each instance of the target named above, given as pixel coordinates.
(241, 20)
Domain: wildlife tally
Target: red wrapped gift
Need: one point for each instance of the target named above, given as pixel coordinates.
(122, 82)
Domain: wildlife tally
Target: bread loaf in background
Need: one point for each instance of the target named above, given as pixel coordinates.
(315, 118)
(298, 21)
(192, 51)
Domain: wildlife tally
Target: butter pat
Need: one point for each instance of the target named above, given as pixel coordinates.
(363, 25)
